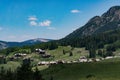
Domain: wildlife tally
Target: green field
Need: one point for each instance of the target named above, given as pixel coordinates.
(84, 71)
(57, 53)
(77, 52)
(10, 65)
(104, 70)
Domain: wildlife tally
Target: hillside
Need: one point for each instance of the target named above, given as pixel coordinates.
(4, 44)
(83, 71)
(110, 20)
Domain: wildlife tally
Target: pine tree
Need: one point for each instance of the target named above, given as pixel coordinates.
(25, 72)
(100, 53)
(37, 75)
(92, 53)
(2, 73)
(63, 51)
(71, 54)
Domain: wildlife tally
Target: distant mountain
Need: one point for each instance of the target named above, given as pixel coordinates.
(4, 44)
(36, 40)
(99, 24)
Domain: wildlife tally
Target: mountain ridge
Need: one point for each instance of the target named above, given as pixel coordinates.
(98, 24)
(6, 44)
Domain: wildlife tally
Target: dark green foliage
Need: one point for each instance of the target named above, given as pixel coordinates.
(84, 71)
(52, 45)
(111, 48)
(51, 78)
(2, 60)
(95, 41)
(100, 53)
(37, 75)
(70, 54)
(92, 53)
(10, 75)
(48, 45)
(21, 73)
(90, 76)
(24, 72)
(109, 53)
(101, 45)
(2, 73)
(64, 52)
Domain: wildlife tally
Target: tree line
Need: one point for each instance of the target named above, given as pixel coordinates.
(95, 42)
(24, 72)
(91, 43)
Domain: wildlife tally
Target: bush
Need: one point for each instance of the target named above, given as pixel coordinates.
(90, 76)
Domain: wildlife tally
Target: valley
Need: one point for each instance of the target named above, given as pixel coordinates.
(92, 52)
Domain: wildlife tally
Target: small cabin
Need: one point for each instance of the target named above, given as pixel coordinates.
(53, 62)
(20, 55)
(40, 51)
(109, 57)
(43, 63)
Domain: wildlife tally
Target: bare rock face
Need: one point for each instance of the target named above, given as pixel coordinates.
(92, 25)
(113, 14)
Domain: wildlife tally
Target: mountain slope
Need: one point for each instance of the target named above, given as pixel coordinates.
(4, 44)
(99, 24)
(34, 41)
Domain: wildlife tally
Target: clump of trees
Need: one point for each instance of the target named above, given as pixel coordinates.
(24, 72)
(92, 53)
(70, 54)
(64, 52)
(95, 42)
(30, 48)
(91, 43)
(100, 53)
(3, 60)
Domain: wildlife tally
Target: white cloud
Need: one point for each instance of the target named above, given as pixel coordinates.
(51, 28)
(45, 23)
(32, 18)
(33, 23)
(75, 11)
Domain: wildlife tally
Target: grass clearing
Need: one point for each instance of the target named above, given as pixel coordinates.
(57, 53)
(10, 65)
(77, 52)
(84, 71)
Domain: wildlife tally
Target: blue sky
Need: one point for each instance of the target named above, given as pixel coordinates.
(52, 19)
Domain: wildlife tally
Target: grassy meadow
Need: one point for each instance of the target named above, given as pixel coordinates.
(84, 71)
(10, 65)
(104, 70)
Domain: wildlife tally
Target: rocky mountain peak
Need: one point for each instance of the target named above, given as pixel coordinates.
(110, 20)
(95, 20)
(112, 11)
(113, 14)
